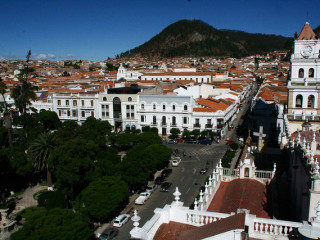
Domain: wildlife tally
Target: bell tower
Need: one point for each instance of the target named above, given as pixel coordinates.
(304, 85)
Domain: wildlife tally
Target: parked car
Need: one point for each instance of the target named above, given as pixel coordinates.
(165, 187)
(203, 171)
(176, 161)
(229, 142)
(172, 141)
(191, 140)
(109, 234)
(159, 180)
(205, 142)
(144, 196)
(166, 172)
(180, 140)
(121, 220)
(151, 187)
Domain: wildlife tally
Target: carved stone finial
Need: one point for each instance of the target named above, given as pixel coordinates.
(177, 195)
(195, 204)
(135, 219)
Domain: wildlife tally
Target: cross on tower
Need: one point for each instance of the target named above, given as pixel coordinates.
(261, 135)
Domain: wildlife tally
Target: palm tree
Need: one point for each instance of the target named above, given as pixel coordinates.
(23, 94)
(40, 150)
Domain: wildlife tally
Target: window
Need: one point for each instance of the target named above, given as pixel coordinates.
(164, 107)
(102, 106)
(83, 114)
(164, 120)
(185, 107)
(209, 121)
(82, 102)
(174, 120)
(74, 113)
(132, 107)
(103, 114)
(311, 73)
(301, 73)
(67, 102)
(154, 107)
(311, 101)
(142, 118)
(128, 106)
(142, 106)
(69, 113)
(59, 102)
(185, 120)
(173, 107)
(154, 119)
(129, 99)
(91, 103)
(59, 112)
(74, 102)
(132, 115)
(92, 114)
(299, 101)
(104, 99)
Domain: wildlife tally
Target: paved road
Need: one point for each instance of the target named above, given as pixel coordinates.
(186, 177)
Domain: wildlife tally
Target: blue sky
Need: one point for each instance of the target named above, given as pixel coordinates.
(98, 29)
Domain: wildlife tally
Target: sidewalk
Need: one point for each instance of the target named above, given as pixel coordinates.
(26, 199)
(128, 210)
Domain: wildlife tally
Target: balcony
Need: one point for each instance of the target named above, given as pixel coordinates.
(173, 125)
(163, 124)
(154, 124)
(196, 125)
(208, 125)
(220, 126)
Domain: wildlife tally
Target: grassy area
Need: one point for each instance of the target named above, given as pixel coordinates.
(36, 195)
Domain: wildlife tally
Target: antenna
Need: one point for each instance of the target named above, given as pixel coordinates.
(307, 16)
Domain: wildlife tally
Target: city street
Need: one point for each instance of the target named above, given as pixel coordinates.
(186, 177)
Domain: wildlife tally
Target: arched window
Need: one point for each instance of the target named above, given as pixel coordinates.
(173, 107)
(311, 73)
(164, 122)
(174, 120)
(142, 106)
(129, 99)
(311, 101)
(104, 99)
(301, 73)
(154, 120)
(185, 107)
(154, 107)
(299, 101)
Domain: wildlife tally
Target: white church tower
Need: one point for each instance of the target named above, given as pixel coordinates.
(303, 89)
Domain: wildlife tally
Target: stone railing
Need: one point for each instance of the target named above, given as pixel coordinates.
(199, 218)
(231, 172)
(303, 117)
(264, 174)
(280, 229)
(150, 228)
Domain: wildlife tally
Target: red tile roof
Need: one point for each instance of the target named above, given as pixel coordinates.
(170, 231)
(241, 193)
(224, 225)
(307, 33)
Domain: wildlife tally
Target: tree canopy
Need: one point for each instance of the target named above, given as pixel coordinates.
(102, 198)
(56, 224)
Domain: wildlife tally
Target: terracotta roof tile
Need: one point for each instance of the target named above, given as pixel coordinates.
(236, 221)
(170, 231)
(241, 193)
(307, 33)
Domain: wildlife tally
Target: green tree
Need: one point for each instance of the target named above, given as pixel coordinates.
(185, 133)
(49, 119)
(5, 109)
(67, 131)
(175, 132)
(56, 224)
(40, 150)
(234, 146)
(52, 199)
(195, 132)
(23, 95)
(103, 198)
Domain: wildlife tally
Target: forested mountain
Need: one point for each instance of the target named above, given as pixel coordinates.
(196, 38)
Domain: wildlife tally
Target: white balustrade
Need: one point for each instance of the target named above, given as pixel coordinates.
(275, 227)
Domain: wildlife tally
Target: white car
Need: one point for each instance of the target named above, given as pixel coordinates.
(120, 220)
(142, 198)
(151, 187)
(176, 161)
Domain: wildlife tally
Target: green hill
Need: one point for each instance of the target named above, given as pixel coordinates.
(196, 38)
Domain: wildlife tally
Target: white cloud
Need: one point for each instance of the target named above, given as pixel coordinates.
(69, 55)
(40, 56)
(52, 56)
